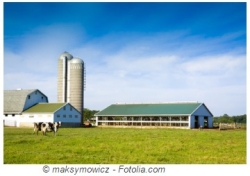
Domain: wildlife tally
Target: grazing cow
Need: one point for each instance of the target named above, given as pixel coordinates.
(46, 127)
(37, 127)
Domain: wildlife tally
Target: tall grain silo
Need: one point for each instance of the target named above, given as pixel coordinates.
(71, 81)
(76, 83)
(62, 77)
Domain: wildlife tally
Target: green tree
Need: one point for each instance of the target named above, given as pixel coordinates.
(88, 114)
(230, 119)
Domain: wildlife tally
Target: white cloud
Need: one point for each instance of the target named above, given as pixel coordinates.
(215, 64)
(170, 77)
(135, 68)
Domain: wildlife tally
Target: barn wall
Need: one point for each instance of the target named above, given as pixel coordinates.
(26, 124)
(202, 112)
(34, 98)
(71, 124)
(210, 122)
(28, 119)
(63, 124)
(10, 120)
(69, 115)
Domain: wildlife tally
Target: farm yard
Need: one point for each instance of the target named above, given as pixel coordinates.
(125, 146)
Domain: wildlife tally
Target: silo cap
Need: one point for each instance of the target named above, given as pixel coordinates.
(76, 60)
(65, 54)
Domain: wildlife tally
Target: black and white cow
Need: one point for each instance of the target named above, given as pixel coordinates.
(46, 127)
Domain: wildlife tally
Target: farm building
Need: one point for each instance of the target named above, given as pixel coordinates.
(17, 101)
(24, 107)
(174, 115)
(51, 112)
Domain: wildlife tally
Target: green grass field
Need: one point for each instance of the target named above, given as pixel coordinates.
(124, 146)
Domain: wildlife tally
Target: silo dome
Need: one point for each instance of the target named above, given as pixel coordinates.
(65, 54)
(76, 60)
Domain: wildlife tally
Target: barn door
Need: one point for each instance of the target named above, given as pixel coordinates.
(196, 122)
(206, 122)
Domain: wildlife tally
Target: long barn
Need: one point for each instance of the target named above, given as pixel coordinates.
(175, 115)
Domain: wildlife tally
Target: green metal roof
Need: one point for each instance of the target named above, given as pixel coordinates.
(45, 107)
(149, 109)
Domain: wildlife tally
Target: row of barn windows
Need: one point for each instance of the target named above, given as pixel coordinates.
(64, 116)
(141, 124)
(58, 116)
(6, 115)
(168, 118)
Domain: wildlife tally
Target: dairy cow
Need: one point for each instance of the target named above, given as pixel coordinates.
(46, 127)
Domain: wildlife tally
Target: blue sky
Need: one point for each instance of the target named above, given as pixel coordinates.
(133, 52)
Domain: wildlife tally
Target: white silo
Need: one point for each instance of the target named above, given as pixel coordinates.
(76, 83)
(71, 77)
(62, 77)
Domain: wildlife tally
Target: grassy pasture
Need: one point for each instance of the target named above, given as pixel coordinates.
(124, 146)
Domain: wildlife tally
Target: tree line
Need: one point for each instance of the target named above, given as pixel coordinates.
(230, 119)
(88, 114)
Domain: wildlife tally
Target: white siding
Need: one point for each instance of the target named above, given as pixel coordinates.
(28, 119)
(68, 115)
(10, 120)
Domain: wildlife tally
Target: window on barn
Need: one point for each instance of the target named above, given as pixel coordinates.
(129, 118)
(146, 118)
(64, 116)
(175, 119)
(184, 124)
(58, 116)
(70, 116)
(156, 119)
(64, 108)
(42, 97)
(136, 118)
(28, 96)
(76, 116)
(70, 108)
(185, 118)
(165, 119)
